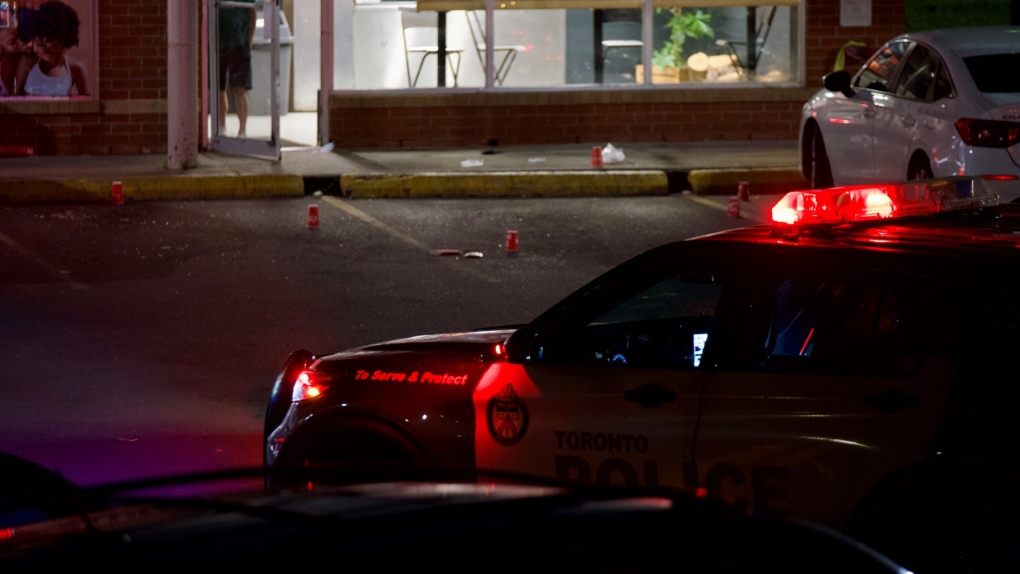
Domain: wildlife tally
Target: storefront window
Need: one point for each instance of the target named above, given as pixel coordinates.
(47, 49)
(556, 43)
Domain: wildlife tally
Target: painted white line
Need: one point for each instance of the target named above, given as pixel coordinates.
(42, 263)
(354, 211)
(726, 208)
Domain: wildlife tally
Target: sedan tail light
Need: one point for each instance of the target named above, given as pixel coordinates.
(988, 133)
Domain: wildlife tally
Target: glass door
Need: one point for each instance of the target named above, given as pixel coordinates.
(244, 77)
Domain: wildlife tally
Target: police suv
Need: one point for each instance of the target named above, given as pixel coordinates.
(854, 364)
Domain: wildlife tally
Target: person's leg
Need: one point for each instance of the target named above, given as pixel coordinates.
(239, 72)
(244, 84)
(221, 113)
(224, 104)
(241, 104)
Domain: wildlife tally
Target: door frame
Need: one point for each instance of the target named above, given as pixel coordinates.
(246, 146)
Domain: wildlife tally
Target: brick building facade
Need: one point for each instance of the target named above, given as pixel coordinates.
(129, 115)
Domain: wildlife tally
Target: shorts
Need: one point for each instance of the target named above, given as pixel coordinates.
(235, 63)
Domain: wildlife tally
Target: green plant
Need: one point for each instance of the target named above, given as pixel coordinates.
(681, 25)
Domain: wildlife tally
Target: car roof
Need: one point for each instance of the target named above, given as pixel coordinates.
(974, 41)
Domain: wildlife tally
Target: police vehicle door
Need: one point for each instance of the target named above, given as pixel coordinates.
(606, 393)
(822, 395)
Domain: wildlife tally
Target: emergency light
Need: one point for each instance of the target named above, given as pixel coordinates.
(309, 385)
(865, 202)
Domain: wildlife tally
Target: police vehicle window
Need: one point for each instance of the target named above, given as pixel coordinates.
(993, 73)
(663, 326)
(876, 74)
(835, 326)
(918, 74)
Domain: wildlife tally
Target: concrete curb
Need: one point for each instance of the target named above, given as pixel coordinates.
(760, 180)
(507, 184)
(152, 188)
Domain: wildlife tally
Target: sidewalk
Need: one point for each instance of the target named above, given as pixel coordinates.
(705, 168)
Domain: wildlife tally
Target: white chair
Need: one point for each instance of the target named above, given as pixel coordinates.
(509, 51)
(762, 26)
(421, 36)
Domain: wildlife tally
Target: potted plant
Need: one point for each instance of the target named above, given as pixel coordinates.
(668, 62)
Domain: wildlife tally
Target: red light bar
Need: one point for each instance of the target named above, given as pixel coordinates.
(864, 202)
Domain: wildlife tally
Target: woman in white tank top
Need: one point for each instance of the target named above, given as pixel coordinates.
(55, 73)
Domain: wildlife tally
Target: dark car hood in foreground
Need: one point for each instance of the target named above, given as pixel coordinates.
(427, 526)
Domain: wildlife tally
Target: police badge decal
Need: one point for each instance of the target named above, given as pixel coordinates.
(508, 417)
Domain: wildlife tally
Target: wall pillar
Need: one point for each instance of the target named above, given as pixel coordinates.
(182, 84)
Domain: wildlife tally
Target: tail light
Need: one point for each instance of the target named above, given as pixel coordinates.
(309, 385)
(988, 133)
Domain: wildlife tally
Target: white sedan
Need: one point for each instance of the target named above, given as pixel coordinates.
(928, 104)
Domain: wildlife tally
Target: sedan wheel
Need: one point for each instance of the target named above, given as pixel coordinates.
(821, 171)
(920, 168)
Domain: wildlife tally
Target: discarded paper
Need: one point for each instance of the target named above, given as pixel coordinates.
(536, 159)
(612, 154)
(471, 163)
(473, 255)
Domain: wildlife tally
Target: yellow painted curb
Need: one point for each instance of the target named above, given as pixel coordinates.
(760, 180)
(150, 188)
(506, 184)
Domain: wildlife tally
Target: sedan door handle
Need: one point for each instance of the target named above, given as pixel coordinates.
(650, 396)
(908, 121)
(869, 112)
(892, 401)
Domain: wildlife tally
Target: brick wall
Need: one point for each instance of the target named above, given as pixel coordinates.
(431, 125)
(130, 117)
(824, 35)
(449, 120)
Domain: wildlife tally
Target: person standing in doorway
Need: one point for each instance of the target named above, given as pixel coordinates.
(236, 33)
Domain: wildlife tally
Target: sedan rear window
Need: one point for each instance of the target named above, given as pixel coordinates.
(994, 73)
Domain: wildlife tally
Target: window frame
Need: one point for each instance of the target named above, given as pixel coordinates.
(798, 36)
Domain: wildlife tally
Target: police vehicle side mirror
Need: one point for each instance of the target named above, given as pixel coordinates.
(838, 82)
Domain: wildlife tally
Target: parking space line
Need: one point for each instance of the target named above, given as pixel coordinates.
(42, 263)
(355, 212)
(716, 205)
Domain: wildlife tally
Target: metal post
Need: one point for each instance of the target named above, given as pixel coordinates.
(271, 16)
(325, 68)
(441, 53)
(203, 116)
(752, 43)
(647, 37)
(596, 56)
(182, 84)
(490, 43)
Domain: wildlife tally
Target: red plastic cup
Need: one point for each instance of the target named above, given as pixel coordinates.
(117, 193)
(313, 216)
